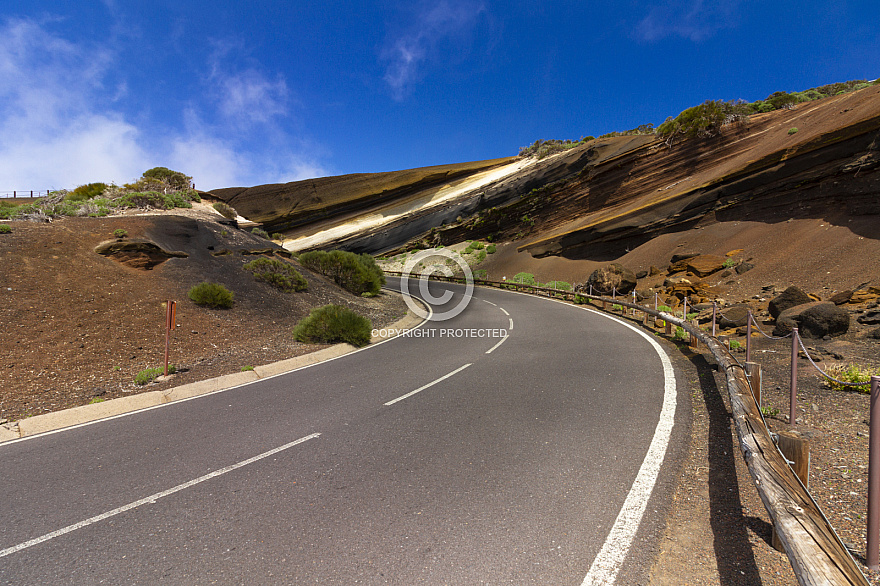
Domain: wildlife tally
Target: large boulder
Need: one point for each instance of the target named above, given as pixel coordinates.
(611, 277)
(705, 264)
(789, 298)
(813, 320)
(734, 316)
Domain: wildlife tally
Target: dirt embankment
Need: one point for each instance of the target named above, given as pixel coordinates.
(79, 325)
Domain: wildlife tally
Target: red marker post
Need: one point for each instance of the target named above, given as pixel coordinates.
(170, 319)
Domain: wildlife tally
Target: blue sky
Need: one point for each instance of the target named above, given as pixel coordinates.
(244, 93)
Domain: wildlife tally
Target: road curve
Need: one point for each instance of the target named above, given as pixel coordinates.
(514, 443)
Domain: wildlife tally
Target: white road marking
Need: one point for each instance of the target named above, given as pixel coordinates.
(431, 384)
(490, 303)
(150, 499)
(504, 339)
(511, 324)
(610, 559)
(612, 555)
(504, 310)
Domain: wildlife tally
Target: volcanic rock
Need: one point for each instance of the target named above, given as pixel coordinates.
(734, 316)
(813, 320)
(789, 298)
(744, 267)
(612, 277)
(705, 264)
(841, 298)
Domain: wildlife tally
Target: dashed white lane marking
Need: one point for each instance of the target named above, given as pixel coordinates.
(511, 324)
(151, 499)
(431, 384)
(504, 310)
(504, 339)
(490, 303)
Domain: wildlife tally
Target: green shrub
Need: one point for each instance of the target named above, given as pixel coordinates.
(481, 256)
(211, 295)
(165, 176)
(277, 273)
(120, 233)
(246, 368)
(850, 373)
(679, 334)
(524, 278)
(148, 375)
(728, 263)
(491, 249)
(86, 192)
(225, 210)
(481, 274)
(5, 228)
(563, 285)
(260, 232)
(792, 131)
(355, 273)
(580, 300)
(277, 236)
(665, 308)
(333, 323)
(735, 345)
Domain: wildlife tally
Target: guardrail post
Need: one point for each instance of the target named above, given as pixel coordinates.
(684, 314)
(714, 311)
(792, 400)
(873, 550)
(753, 373)
(796, 451)
(749, 336)
(668, 327)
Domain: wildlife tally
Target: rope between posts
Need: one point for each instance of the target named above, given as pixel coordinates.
(755, 323)
(825, 374)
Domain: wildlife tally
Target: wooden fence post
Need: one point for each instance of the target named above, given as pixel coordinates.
(796, 450)
(753, 373)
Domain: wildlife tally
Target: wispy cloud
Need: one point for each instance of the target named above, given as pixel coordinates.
(408, 52)
(65, 121)
(696, 20)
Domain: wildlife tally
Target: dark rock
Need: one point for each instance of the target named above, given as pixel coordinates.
(789, 298)
(610, 277)
(726, 274)
(813, 320)
(875, 335)
(870, 318)
(841, 298)
(734, 316)
(641, 274)
(654, 271)
(744, 267)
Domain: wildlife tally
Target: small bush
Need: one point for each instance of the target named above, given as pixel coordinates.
(120, 233)
(211, 295)
(5, 228)
(769, 411)
(735, 345)
(491, 249)
(679, 334)
(260, 232)
(850, 373)
(792, 131)
(355, 273)
(665, 308)
(580, 300)
(148, 375)
(225, 210)
(563, 285)
(728, 263)
(246, 368)
(524, 278)
(86, 192)
(278, 274)
(333, 323)
(277, 236)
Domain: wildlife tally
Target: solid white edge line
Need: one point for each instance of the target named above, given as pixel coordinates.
(196, 397)
(431, 384)
(504, 339)
(610, 558)
(152, 498)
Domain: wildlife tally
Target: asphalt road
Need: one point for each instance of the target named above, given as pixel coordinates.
(517, 442)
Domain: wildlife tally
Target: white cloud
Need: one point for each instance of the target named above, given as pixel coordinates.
(63, 121)
(436, 21)
(696, 20)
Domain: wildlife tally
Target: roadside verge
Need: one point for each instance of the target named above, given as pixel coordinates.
(89, 413)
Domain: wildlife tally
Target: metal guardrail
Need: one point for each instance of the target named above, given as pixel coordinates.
(817, 555)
